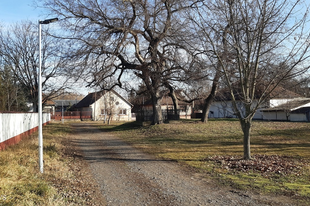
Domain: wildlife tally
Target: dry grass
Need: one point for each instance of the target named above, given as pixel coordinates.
(21, 183)
(198, 145)
(189, 142)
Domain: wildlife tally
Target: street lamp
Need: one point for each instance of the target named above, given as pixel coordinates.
(47, 21)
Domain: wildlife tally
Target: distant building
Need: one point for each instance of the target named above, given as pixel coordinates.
(64, 105)
(282, 104)
(106, 105)
(297, 110)
(144, 111)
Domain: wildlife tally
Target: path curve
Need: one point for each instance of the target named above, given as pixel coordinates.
(128, 176)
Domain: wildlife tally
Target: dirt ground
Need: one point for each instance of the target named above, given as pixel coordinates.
(112, 172)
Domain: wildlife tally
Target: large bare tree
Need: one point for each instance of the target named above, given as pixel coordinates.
(115, 38)
(19, 50)
(265, 42)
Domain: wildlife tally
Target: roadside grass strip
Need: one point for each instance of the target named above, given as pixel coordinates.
(21, 182)
(280, 152)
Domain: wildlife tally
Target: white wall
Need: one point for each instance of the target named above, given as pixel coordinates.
(222, 110)
(279, 115)
(117, 104)
(13, 124)
(225, 109)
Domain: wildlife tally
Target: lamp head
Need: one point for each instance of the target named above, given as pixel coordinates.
(47, 21)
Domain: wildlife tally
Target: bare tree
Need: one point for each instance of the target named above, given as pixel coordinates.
(20, 52)
(12, 96)
(114, 38)
(261, 36)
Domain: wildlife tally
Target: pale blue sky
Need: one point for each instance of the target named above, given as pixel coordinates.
(16, 11)
(13, 11)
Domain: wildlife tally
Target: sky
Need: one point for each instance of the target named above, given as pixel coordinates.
(14, 11)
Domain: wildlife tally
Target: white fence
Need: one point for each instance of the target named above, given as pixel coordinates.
(14, 125)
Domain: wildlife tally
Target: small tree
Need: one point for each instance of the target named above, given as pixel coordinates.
(261, 37)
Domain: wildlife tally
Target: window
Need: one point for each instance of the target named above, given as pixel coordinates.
(123, 111)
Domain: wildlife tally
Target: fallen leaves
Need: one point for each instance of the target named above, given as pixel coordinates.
(265, 164)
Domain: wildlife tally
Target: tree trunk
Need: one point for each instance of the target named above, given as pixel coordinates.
(157, 113)
(210, 98)
(246, 128)
(109, 119)
(175, 102)
(206, 109)
(174, 99)
(35, 106)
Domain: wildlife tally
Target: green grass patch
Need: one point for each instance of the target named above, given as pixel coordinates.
(192, 142)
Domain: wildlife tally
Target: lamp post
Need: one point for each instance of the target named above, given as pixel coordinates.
(47, 21)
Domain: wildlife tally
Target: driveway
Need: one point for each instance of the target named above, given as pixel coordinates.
(127, 176)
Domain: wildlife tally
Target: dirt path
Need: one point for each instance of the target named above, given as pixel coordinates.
(129, 177)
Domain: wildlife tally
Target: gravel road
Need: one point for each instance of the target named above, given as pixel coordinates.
(127, 176)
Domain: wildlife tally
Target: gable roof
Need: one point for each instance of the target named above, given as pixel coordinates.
(281, 93)
(50, 103)
(290, 105)
(167, 100)
(59, 103)
(92, 97)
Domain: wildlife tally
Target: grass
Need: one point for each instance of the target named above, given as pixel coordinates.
(189, 142)
(21, 182)
(194, 143)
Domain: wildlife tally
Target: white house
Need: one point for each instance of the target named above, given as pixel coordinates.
(282, 105)
(105, 105)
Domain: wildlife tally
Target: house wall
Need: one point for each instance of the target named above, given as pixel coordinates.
(49, 109)
(186, 114)
(222, 110)
(185, 110)
(279, 115)
(225, 109)
(15, 126)
(113, 102)
(258, 115)
(300, 117)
